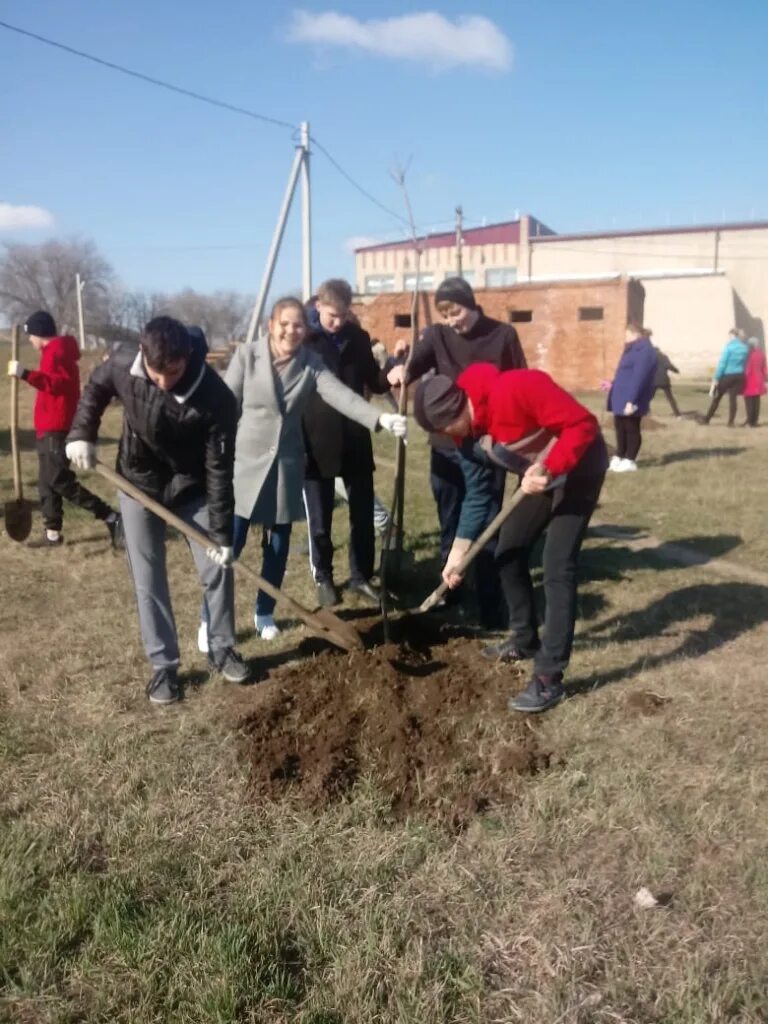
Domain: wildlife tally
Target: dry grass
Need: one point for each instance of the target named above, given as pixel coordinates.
(138, 885)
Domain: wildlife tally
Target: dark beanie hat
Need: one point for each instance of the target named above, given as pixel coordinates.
(438, 402)
(456, 289)
(41, 324)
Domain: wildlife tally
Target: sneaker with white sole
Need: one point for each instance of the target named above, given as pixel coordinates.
(202, 638)
(614, 463)
(626, 466)
(229, 663)
(266, 627)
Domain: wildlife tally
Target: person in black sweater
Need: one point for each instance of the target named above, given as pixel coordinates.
(465, 336)
(338, 447)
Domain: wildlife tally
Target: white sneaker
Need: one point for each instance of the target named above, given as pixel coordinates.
(626, 466)
(266, 627)
(614, 463)
(202, 638)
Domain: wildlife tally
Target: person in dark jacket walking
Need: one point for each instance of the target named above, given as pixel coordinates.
(630, 396)
(58, 390)
(177, 446)
(465, 336)
(661, 381)
(524, 422)
(337, 446)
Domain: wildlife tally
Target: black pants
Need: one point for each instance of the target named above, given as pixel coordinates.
(319, 497)
(667, 389)
(57, 481)
(731, 384)
(628, 437)
(752, 402)
(565, 515)
(447, 481)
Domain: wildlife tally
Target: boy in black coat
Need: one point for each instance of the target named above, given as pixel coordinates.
(177, 446)
(337, 447)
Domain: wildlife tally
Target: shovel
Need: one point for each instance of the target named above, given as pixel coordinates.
(18, 513)
(492, 528)
(322, 623)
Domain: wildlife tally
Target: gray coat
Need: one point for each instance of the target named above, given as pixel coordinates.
(269, 451)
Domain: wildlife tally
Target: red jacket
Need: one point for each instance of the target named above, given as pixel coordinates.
(755, 373)
(516, 404)
(58, 384)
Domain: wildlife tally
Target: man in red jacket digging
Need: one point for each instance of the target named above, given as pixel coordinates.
(58, 391)
(524, 422)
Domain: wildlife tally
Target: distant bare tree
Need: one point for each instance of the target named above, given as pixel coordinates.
(42, 276)
(222, 315)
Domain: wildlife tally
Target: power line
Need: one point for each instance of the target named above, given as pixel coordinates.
(160, 83)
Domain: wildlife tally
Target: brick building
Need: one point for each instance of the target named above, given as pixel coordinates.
(573, 330)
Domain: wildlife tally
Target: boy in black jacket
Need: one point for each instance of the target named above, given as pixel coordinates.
(464, 337)
(177, 446)
(337, 447)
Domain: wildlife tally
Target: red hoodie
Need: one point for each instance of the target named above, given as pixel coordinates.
(516, 404)
(58, 384)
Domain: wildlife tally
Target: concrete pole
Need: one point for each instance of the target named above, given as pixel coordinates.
(277, 238)
(306, 216)
(459, 239)
(79, 285)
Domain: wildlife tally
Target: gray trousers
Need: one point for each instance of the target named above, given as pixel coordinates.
(145, 535)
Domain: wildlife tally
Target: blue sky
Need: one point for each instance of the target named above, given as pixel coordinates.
(608, 115)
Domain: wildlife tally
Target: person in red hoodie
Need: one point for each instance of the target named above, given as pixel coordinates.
(524, 422)
(58, 391)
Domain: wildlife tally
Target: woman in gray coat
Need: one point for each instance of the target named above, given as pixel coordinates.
(273, 378)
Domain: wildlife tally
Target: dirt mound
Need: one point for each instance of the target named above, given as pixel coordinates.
(424, 716)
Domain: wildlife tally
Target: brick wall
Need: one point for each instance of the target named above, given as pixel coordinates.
(578, 353)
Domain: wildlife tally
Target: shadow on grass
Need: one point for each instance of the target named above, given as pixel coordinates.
(617, 563)
(731, 608)
(689, 454)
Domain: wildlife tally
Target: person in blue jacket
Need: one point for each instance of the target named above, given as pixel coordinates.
(729, 375)
(630, 396)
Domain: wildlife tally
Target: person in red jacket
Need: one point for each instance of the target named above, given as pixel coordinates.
(58, 391)
(523, 421)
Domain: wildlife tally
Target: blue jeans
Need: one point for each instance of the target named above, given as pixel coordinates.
(275, 545)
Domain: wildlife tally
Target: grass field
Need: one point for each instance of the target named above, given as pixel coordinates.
(139, 882)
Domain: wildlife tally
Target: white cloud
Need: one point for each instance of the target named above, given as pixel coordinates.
(359, 242)
(19, 218)
(470, 41)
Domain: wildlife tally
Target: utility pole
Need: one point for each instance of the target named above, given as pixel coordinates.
(300, 164)
(306, 216)
(459, 239)
(79, 285)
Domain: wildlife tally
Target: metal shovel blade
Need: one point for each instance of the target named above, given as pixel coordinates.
(338, 632)
(18, 519)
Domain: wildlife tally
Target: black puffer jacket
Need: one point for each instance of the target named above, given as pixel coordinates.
(336, 445)
(176, 445)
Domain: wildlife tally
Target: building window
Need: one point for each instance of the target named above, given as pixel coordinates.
(520, 316)
(426, 282)
(376, 283)
(590, 312)
(467, 275)
(402, 319)
(498, 277)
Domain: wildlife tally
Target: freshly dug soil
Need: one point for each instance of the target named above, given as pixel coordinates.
(424, 717)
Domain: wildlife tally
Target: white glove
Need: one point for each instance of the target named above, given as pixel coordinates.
(394, 423)
(15, 369)
(221, 556)
(82, 454)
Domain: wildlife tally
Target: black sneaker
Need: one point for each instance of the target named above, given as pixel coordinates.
(229, 663)
(542, 693)
(116, 535)
(366, 589)
(163, 687)
(326, 594)
(506, 651)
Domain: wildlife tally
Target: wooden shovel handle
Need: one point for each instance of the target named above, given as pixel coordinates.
(15, 453)
(198, 537)
(492, 528)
